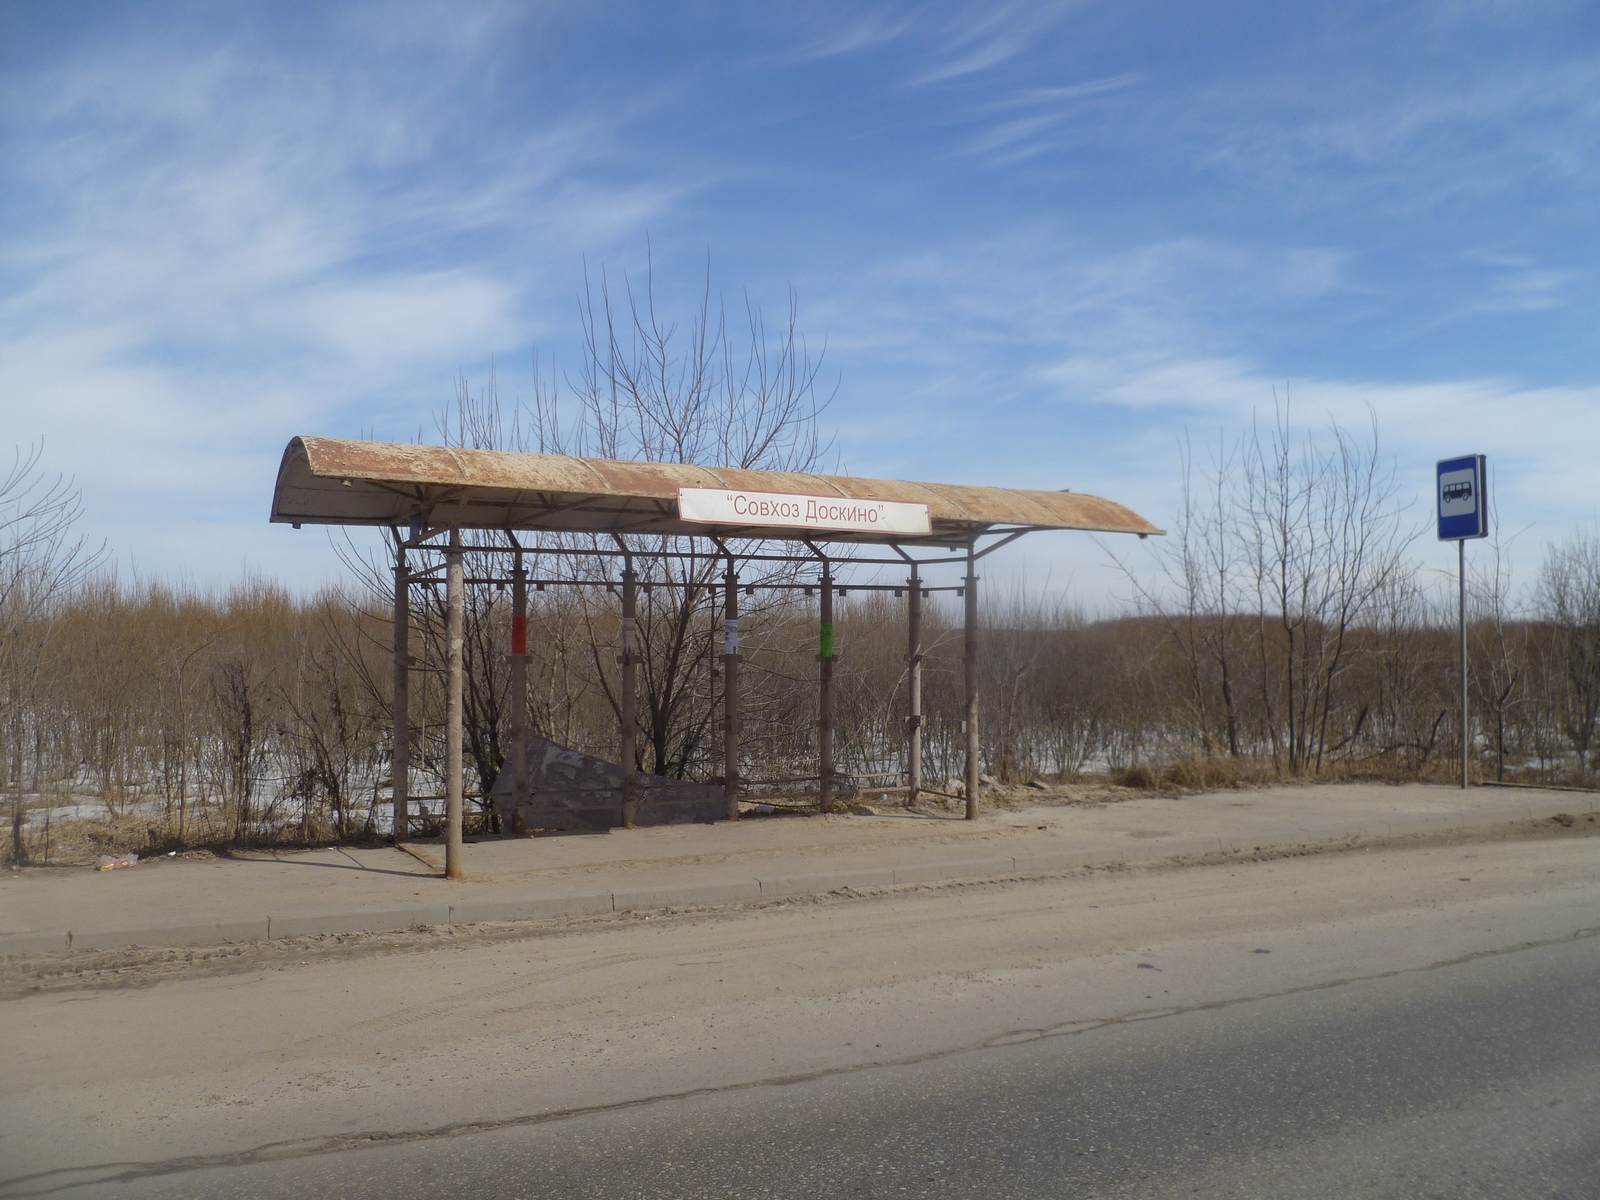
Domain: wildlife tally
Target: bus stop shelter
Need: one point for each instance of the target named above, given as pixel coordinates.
(445, 499)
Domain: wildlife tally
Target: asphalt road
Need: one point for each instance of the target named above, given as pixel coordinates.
(1478, 1079)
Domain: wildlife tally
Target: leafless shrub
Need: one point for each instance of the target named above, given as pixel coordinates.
(42, 560)
(1568, 602)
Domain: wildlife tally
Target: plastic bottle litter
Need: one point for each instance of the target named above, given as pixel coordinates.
(108, 862)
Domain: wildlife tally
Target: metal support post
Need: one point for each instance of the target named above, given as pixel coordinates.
(971, 664)
(1461, 563)
(914, 688)
(628, 701)
(730, 693)
(825, 692)
(519, 692)
(400, 772)
(455, 585)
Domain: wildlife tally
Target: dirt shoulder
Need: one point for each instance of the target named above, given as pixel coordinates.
(261, 896)
(143, 967)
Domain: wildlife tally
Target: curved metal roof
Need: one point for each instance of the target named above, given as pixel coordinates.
(335, 481)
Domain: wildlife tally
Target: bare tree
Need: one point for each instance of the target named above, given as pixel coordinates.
(1285, 546)
(42, 560)
(332, 730)
(1323, 538)
(657, 389)
(1500, 651)
(1569, 600)
(1197, 593)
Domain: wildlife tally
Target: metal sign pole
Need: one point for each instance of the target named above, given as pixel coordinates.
(1463, 506)
(1461, 567)
(970, 666)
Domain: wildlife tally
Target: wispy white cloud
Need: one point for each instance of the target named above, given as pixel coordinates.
(1520, 284)
(1539, 441)
(1541, 438)
(933, 43)
(1029, 123)
(853, 33)
(1076, 91)
(969, 44)
(1408, 145)
(224, 250)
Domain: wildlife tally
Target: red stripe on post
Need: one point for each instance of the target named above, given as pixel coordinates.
(519, 635)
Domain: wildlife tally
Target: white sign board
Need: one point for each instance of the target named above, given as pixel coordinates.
(1458, 493)
(785, 510)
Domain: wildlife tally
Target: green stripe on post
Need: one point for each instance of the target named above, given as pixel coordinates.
(827, 641)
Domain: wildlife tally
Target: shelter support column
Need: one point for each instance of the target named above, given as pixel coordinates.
(970, 663)
(627, 707)
(519, 692)
(914, 688)
(454, 587)
(730, 693)
(825, 691)
(400, 772)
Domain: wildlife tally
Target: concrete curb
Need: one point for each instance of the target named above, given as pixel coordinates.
(175, 933)
(820, 883)
(726, 892)
(533, 908)
(817, 883)
(962, 868)
(380, 920)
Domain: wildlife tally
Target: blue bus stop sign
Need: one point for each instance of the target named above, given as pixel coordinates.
(1463, 502)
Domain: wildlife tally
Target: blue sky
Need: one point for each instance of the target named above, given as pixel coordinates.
(1040, 241)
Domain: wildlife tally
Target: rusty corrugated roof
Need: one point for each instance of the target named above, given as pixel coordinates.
(335, 481)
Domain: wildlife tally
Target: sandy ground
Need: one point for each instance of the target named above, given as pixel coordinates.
(156, 1064)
